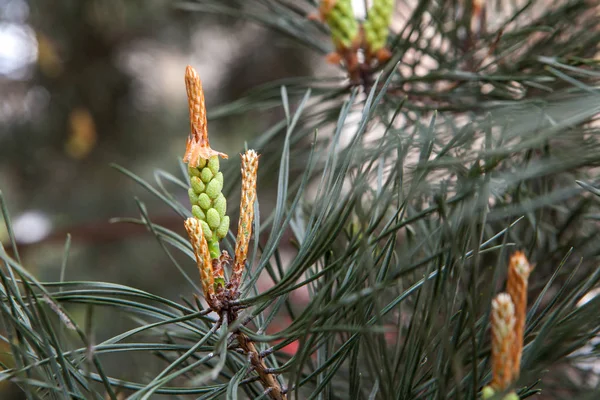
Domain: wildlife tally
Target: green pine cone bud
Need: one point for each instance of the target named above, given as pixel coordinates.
(198, 213)
(219, 177)
(213, 219)
(342, 23)
(204, 201)
(213, 164)
(223, 228)
(214, 187)
(220, 204)
(197, 185)
(511, 396)
(193, 196)
(487, 393)
(377, 24)
(206, 231)
(337, 37)
(206, 175)
(348, 28)
(375, 21)
(208, 203)
(372, 38)
(193, 171)
(345, 7)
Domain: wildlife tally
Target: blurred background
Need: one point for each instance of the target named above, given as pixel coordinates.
(86, 83)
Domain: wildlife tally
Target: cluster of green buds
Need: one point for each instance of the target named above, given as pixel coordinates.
(376, 26)
(349, 36)
(208, 203)
(339, 16)
(209, 224)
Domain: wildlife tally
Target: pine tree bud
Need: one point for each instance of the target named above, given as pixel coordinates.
(198, 150)
(249, 173)
(204, 201)
(220, 204)
(503, 340)
(223, 228)
(207, 232)
(208, 203)
(192, 171)
(206, 175)
(193, 196)
(339, 16)
(376, 27)
(516, 286)
(487, 393)
(214, 187)
(213, 219)
(213, 164)
(198, 213)
(197, 185)
(201, 252)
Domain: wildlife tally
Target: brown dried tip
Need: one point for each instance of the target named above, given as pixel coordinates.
(503, 338)
(249, 172)
(197, 143)
(200, 247)
(516, 286)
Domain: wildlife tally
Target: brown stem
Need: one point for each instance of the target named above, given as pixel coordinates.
(267, 379)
